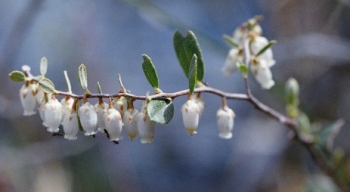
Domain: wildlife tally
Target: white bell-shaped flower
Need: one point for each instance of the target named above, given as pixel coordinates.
(53, 115)
(200, 102)
(234, 55)
(121, 104)
(67, 104)
(190, 115)
(39, 94)
(259, 42)
(41, 105)
(145, 126)
(70, 125)
(225, 120)
(101, 109)
(130, 122)
(262, 74)
(241, 33)
(88, 118)
(114, 124)
(28, 100)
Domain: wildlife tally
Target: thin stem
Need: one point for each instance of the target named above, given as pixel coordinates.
(68, 81)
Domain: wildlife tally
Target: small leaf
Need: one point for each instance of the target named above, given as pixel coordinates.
(83, 77)
(242, 68)
(230, 41)
(192, 76)
(150, 71)
(185, 47)
(266, 47)
(43, 66)
(99, 88)
(17, 76)
(325, 137)
(47, 86)
(160, 111)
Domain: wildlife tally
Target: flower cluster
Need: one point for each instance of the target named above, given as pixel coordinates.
(261, 56)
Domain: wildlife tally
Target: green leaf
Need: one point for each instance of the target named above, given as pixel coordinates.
(150, 71)
(82, 72)
(17, 76)
(325, 137)
(242, 68)
(192, 79)
(185, 47)
(160, 111)
(43, 66)
(47, 86)
(266, 47)
(230, 41)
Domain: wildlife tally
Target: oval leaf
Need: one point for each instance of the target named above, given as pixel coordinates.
(185, 47)
(83, 77)
(47, 86)
(150, 71)
(192, 79)
(43, 66)
(17, 76)
(160, 111)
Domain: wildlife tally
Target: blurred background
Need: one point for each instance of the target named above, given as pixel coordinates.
(109, 38)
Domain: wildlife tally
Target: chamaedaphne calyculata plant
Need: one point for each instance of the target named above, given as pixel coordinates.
(102, 113)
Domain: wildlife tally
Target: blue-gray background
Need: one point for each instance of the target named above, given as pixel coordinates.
(109, 38)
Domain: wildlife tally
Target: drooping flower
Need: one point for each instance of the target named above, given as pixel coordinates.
(241, 33)
(67, 104)
(101, 109)
(258, 43)
(88, 118)
(53, 114)
(121, 104)
(235, 55)
(114, 124)
(262, 73)
(130, 122)
(28, 100)
(190, 115)
(70, 125)
(225, 120)
(145, 126)
(200, 102)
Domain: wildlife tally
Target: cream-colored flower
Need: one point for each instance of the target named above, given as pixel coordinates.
(28, 100)
(114, 124)
(70, 125)
(235, 55)
(88, 118)
(225, 120)
(101, 109)
(258, 43)
(121, 104)
(145, 126)
(130, 122)
(190, 115)
(53, 115)
(262, 74)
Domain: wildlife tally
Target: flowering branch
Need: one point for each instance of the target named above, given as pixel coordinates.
(250, 52)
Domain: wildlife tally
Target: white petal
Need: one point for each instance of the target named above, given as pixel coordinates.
(190, 115)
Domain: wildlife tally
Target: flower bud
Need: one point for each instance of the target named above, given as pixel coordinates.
(121, 104)
(225, 122)
(190, 115)
(28, 100)
(88, 118)
(114, 124)
(53, 115)
(101, 109)
(262, 74)
(145, 126)
(235, 55)
(70, 125)
(130, 122)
